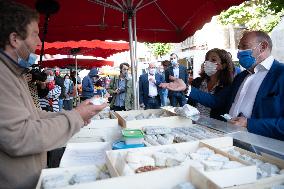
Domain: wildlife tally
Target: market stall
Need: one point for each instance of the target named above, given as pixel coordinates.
(204, 153)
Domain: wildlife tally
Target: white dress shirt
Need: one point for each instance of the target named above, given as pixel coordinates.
(153, 91)
(176, 71)
(246, 94)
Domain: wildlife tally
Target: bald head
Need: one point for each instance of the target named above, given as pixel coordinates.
(259, 42)
(256, 37)
(152, 65)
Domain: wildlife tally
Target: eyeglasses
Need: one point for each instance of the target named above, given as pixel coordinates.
(126, 69)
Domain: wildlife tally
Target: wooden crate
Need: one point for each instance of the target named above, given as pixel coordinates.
(105, 134)
(222, 178)
(151, 180)
(103, 123)
(169, 177)
(59, 171)
(159, 179)
(171, 121)
(265, 158)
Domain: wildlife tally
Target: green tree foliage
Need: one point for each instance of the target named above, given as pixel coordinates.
(159, 49)
(255, 14)
(276, 5)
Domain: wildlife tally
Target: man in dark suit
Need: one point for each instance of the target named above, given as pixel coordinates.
(149, 89)
(255, 98)
(176, 71)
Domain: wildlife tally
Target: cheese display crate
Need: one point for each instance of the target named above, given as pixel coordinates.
(103, 123)
(116, 162)
(104, 134)
(260, 160)
(170, 121)
(65, 176)
(169, 178)
(163, 179)
(162, 135)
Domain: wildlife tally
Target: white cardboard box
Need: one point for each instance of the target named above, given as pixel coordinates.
(103, 123)
(104, 134)
(222, 178)
(166, 178)
(65, 171)
(83, 154)
(159, 179)
(171, 121)
(267, 159)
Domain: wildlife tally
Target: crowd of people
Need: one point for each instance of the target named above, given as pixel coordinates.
(253, 97)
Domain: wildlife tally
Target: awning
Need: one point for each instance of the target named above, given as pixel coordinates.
(71, 63)
(95, 48)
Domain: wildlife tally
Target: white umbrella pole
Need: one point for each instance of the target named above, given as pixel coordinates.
(76, 70)
(130, 32)
(136, 62)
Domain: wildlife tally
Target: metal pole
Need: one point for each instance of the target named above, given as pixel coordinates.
(76, 67)
(130, 32)
(45, 27)
(135, 60)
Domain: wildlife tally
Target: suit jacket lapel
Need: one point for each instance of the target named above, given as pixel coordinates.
(147, 84)
(180, 72)
(265, 85)
(172, 71)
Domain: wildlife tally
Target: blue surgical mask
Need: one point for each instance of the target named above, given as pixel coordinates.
(31, 59)
(27, 63)
(246, 59)
(50, 78)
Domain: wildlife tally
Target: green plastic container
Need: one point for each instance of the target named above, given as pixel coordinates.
(133, 136)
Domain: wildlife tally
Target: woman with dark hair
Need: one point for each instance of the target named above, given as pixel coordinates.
(216, 73)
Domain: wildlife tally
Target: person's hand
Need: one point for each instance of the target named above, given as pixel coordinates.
(177, 85)
(87, 110)
(172, 78)
(164, 85)
(116, 91)
(107, 95)
(66, 96)
(142, 105)
(239, 121)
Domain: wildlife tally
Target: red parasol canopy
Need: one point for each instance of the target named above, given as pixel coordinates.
(157, 20)
(95, 48)
(153, 21)
(70, 62)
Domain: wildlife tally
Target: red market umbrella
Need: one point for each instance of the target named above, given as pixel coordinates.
(95, 48)
(147, 20)
(81, 63)
(157, 20)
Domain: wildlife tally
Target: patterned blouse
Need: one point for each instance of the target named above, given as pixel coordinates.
(205, 111)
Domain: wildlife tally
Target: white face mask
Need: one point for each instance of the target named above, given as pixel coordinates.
(210, 68)
(152, 71)
(50, 78)
(174, 62)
